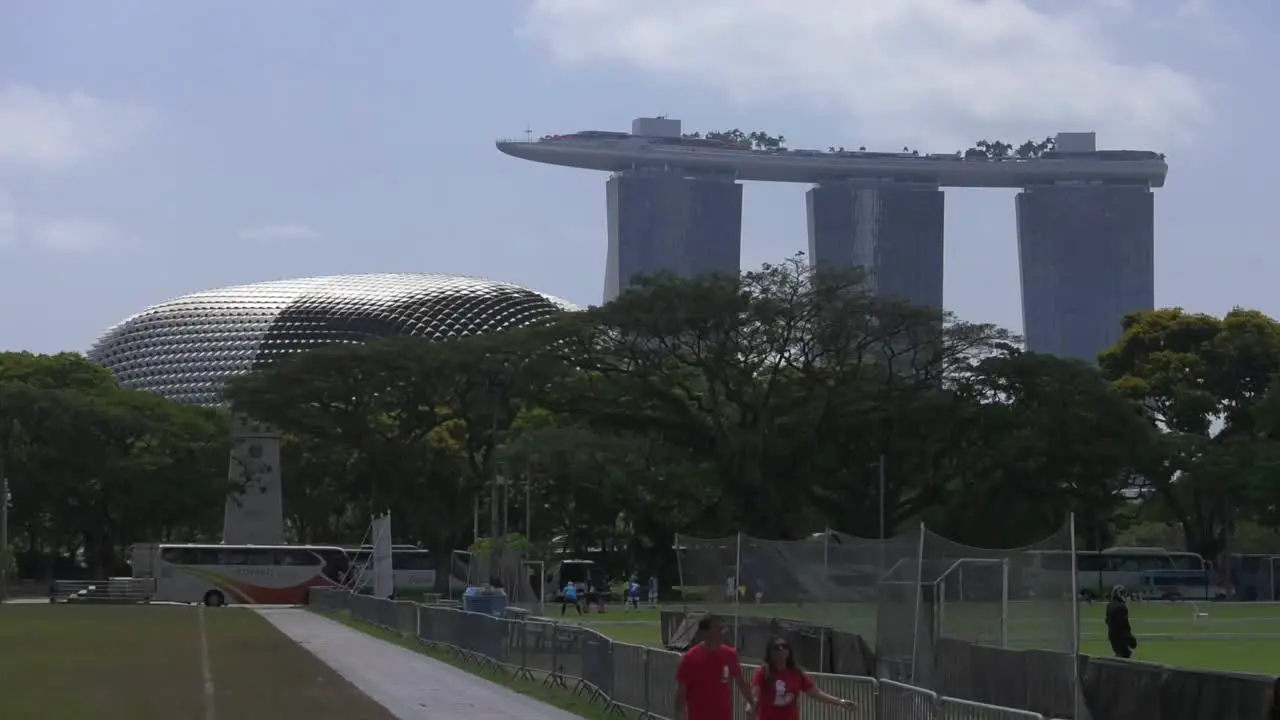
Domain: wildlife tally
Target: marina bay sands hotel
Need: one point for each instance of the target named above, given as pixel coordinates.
(1085, 218)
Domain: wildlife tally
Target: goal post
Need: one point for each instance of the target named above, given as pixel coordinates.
(971, 601)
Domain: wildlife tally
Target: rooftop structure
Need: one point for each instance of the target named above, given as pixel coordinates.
(657, 143)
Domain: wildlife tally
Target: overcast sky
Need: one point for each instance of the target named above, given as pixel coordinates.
(151, 148)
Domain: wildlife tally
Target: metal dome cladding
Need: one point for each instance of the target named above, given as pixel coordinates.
(186, 348)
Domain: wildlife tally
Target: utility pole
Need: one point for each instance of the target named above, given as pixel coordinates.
(528, 508)
(4, 528)
(883, 529)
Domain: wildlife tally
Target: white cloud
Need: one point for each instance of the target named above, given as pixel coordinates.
(924, 72)
(49, 131)
(73, 236)
(281, 232)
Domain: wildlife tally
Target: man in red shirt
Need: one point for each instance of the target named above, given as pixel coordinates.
(707, 675)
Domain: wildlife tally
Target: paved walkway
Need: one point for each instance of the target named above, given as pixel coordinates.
(410, 685)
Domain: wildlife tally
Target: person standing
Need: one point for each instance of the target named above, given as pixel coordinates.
(779, 683)
(569, 596)
(707, 675)
(653, 591)
(1119, 631)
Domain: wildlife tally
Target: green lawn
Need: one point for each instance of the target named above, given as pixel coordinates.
(1240, 637)
(162, 662)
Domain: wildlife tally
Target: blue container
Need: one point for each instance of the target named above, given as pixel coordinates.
(490, 601)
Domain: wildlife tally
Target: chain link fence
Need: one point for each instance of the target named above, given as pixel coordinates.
(920, 599)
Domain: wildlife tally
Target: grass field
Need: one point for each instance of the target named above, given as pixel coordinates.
(1238, 637)
(67, 662)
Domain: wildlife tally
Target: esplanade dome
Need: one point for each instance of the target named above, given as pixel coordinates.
(185, 349)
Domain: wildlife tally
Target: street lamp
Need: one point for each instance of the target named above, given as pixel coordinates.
(5, 499)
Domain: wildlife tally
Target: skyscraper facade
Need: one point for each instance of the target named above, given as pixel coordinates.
(1087, 257)
(893, 231)
(669, 222)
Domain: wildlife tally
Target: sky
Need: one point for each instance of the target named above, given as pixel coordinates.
(151, 148)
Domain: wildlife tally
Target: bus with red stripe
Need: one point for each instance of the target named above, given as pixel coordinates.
(216, 574)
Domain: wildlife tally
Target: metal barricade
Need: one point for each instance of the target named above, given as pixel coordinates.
(953, 709)
(631, 677)
(541, 652)
(365, 609)
(568, 642)
(597, 666)
(636, 678)
(482, 639)
(329, 599)
(899, 701)
(861, 690)
(662, 682)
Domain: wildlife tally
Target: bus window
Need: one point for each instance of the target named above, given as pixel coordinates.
(295, 556)
(180, 556)
(245, 556)
(412, 560)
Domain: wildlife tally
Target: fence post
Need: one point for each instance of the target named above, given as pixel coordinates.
(1004, 602)
(647, 710)
(524, 671)
(737, 583)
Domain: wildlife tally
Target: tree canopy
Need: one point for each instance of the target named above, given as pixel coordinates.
(93, 468)
(773, 402)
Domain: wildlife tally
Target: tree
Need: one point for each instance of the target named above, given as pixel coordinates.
(1203, 383)
(750, 375)
(1049, 436)
(756, 139)
(401, 423)
(382, 404)
(1000, 150)
(94, 467)
(586, 483)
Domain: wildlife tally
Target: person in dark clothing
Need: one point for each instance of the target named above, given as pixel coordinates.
(1119, 632)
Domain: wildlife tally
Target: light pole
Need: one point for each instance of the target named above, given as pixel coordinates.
(4, 532)
(883, 529)
(4, 512)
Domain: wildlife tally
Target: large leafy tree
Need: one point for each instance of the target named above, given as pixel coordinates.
(1045, 436)
(403, 423)
(1201, 380)
(763, 378)
(94, 468)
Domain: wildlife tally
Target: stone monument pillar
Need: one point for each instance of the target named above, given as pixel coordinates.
(255, 515)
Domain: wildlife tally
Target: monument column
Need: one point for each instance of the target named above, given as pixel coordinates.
(255, 515)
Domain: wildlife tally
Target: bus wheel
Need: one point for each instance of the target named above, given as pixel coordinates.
(213, 598)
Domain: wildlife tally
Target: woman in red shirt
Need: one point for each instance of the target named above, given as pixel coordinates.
(778, 685)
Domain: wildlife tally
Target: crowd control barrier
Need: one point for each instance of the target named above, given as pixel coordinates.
(634, 680)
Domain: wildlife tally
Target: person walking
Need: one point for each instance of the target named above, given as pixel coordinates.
(707, 674)
(1119, 631)
(779, 683)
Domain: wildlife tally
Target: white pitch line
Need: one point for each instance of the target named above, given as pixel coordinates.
(206, 668)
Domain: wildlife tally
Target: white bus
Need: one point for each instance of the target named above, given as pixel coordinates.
(411, 567)
(242, 574)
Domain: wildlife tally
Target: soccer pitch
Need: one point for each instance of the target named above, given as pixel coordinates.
(1238, 637)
